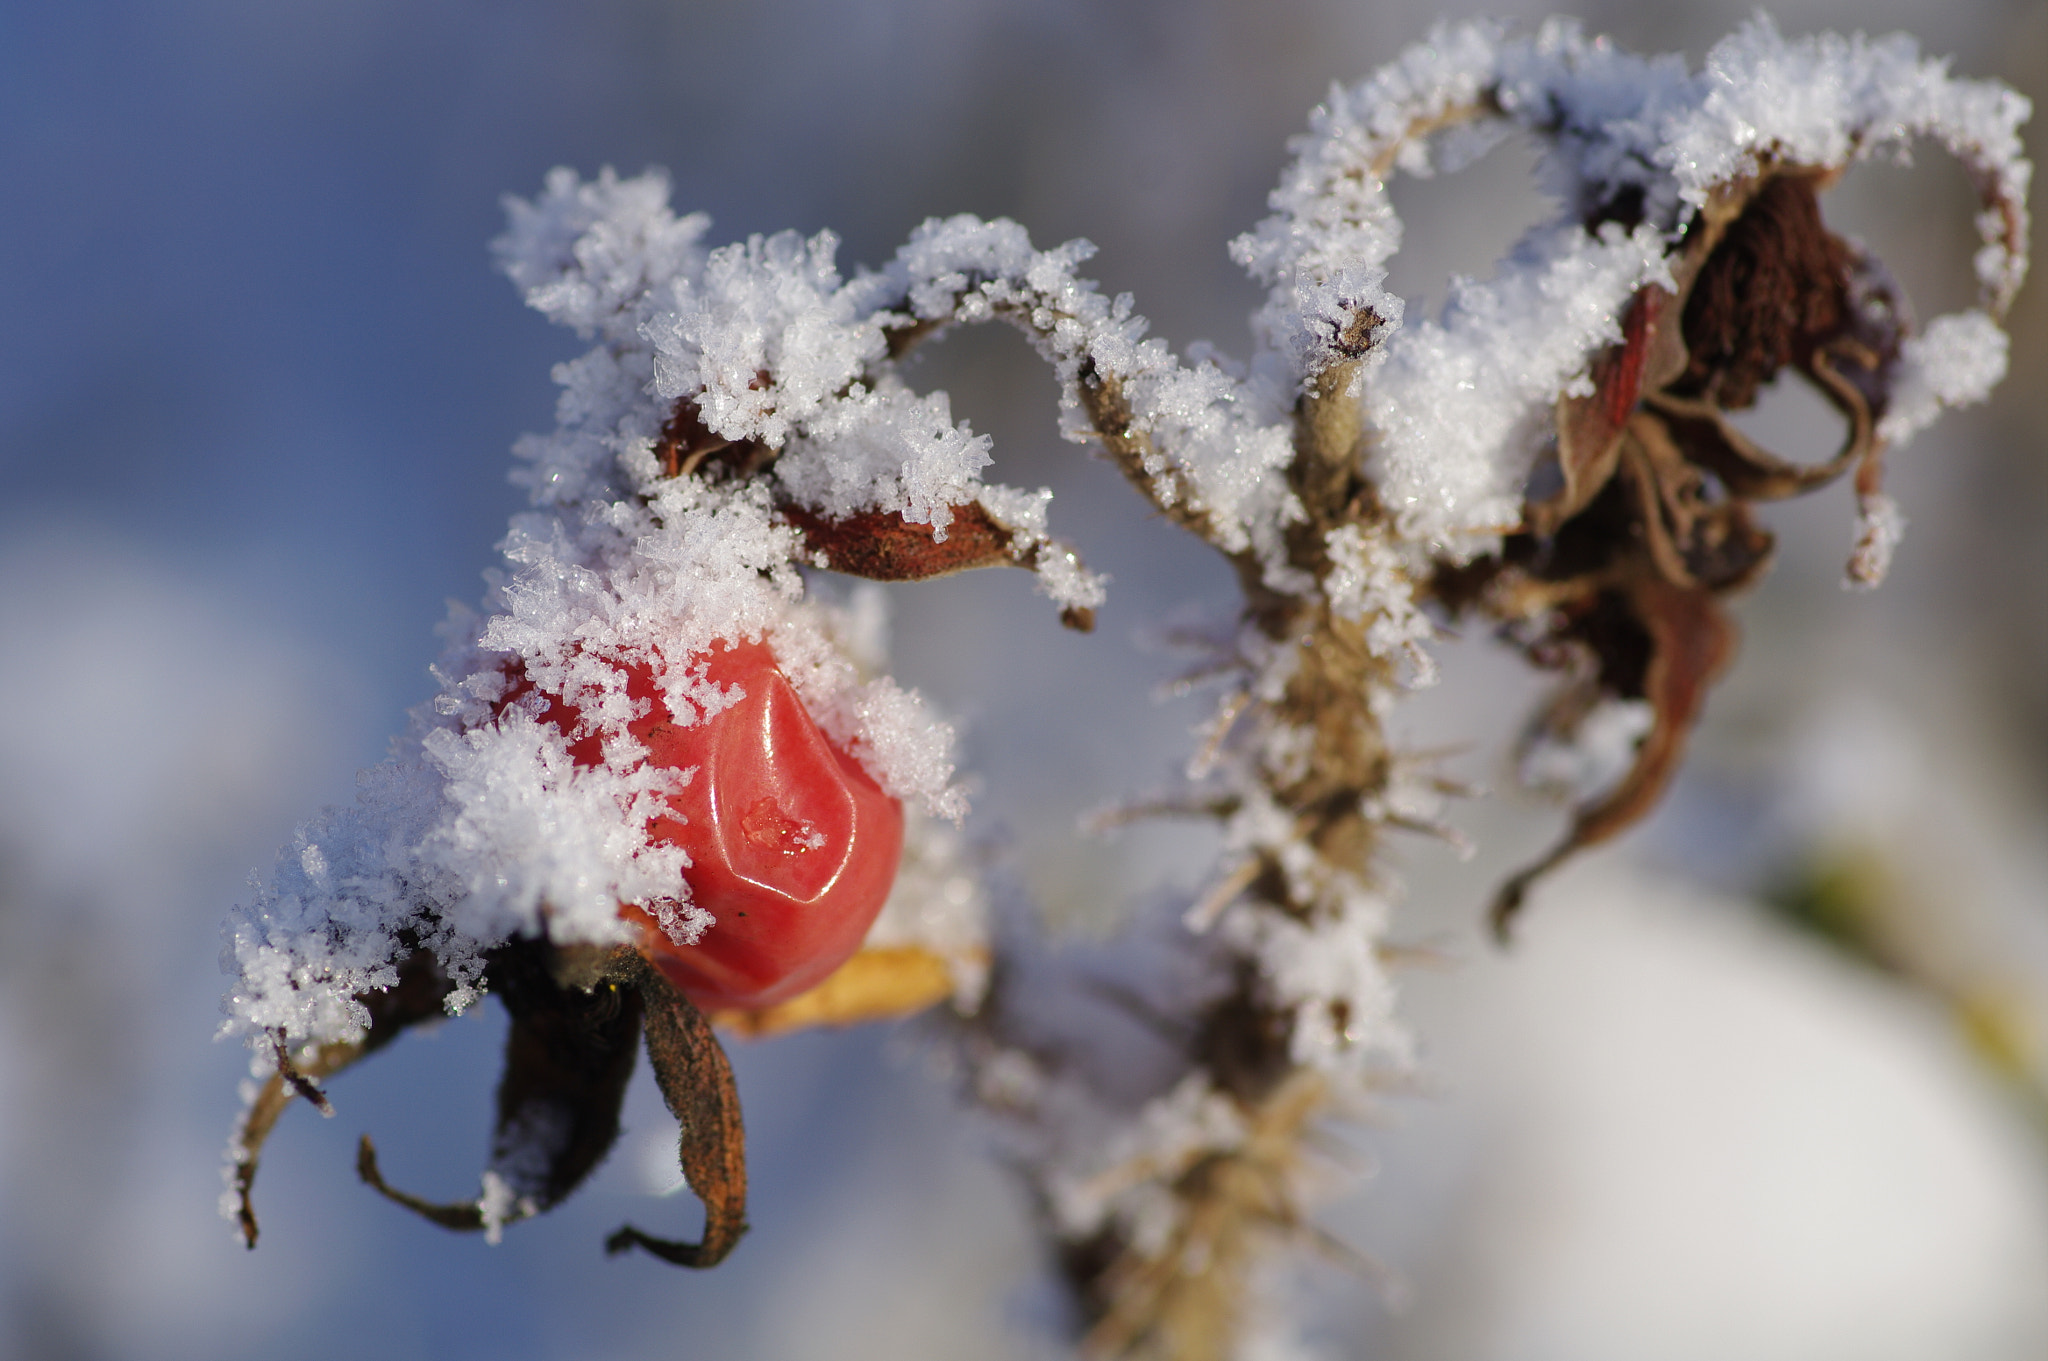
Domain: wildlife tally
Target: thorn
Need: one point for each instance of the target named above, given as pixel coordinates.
(1220, 723)
(1204, 913)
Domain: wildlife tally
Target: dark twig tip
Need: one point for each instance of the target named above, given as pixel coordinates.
(366, 1163)
(1507, 907)
(245, 1213)
(298, 1081)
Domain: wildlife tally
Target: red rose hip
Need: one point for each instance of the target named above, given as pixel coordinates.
(793, 846)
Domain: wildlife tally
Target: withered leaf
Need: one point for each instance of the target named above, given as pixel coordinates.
(568, 1057)
(1692, 539)
(419, 995)
(1589, 428)
(1842, 371)
(883, 546)
(696, 1082)
(1653, 523)
(1690, 642)
(463, 1216)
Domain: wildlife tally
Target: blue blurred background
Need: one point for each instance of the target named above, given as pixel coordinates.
(257, 388)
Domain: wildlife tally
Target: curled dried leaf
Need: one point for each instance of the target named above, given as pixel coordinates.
(1589, 428)
(1692, 539)
(462, 1216)
(696, 1082)
(1686, 642)
(1652, 526)
(568, 1057)
(577, 1019)
(419, 995)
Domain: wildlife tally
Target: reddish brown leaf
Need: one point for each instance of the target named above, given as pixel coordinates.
(1619, 378)
(1589, 428)
(686, 442)
(883, 546)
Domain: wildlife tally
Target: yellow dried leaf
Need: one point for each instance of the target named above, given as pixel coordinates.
(875, 985)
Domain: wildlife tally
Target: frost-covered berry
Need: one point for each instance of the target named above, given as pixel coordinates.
(792, 846)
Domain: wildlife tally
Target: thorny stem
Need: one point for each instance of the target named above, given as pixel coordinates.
(1317, 750)
(1185, 1302)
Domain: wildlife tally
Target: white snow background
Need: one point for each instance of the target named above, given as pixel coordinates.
(257, 387)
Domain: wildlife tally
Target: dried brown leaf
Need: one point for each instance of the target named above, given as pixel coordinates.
(419, 995)
(1690, 641)
(568, 1057)
(696, 1082)
(881, 545)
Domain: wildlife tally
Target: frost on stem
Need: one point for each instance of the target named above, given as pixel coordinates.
(741, 424)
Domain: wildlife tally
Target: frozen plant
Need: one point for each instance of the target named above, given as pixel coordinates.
(598, 810)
